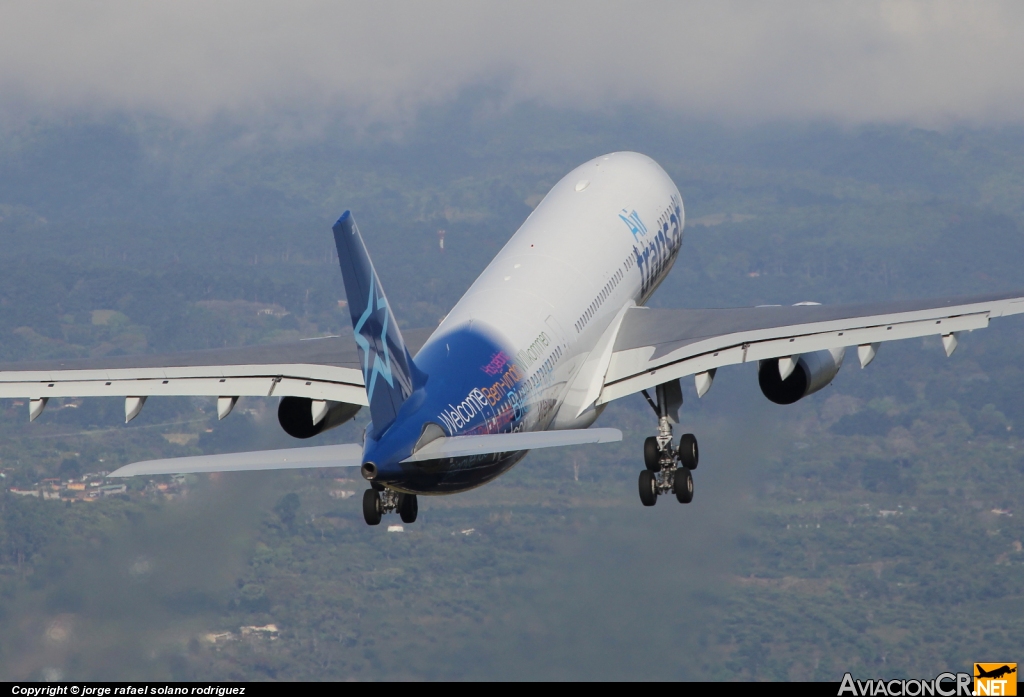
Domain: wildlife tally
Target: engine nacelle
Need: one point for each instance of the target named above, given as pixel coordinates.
(296, 416)
(813, 371)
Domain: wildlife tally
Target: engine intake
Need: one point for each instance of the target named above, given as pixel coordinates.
(813, 371)
(295, 415)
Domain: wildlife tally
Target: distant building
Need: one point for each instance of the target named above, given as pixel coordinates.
(218, 637)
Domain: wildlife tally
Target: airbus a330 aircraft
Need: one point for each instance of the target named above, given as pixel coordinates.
(551, 332)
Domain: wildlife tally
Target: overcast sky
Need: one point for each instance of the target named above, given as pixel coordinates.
(928, 63)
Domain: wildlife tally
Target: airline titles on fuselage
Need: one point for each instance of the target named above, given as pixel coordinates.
(507, 393)
(655, 258)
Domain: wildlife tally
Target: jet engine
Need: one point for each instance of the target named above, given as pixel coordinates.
(807, 374)
(296, 416)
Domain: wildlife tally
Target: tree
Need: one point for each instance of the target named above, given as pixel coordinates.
(286, 508)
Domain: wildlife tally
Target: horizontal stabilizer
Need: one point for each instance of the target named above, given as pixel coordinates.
(461, 446)
(349, 455)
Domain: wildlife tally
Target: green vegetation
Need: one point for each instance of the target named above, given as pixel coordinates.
(873, 527)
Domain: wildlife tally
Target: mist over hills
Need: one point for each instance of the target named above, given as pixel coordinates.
(877, 211)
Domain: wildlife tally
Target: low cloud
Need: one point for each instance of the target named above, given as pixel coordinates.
(929, 63)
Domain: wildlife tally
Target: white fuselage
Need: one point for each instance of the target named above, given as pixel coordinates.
(601, 240)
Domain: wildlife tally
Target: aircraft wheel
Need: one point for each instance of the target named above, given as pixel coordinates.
(652, 455)
(688, 452)
(648, 488)
(408, 507)
(371, 507)
(683, 485)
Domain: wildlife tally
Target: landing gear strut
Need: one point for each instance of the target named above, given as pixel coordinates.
(378, 501)
(668, 468)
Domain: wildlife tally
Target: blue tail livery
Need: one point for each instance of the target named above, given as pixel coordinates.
(388, 370)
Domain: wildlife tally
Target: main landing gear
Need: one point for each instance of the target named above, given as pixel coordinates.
(669, 468)
(380, 500)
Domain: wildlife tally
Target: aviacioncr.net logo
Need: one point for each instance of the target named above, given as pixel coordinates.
(945, 685)
(995, 679)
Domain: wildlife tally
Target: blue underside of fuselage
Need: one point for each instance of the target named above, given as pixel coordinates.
(452, 475)
(472, 386)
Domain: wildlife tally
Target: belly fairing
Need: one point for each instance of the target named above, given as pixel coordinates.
(453, 475)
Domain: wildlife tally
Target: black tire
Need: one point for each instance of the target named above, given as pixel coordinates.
(371, 507)
(683, 485)
(648, 488)
(408, 507)
(652, 455)
(689, 454)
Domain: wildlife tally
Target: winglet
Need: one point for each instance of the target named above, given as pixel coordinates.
(388, 370)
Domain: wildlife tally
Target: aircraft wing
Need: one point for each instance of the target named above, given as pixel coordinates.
(319, 369)
(654, 346)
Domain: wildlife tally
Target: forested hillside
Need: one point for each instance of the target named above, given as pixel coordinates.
(872, 527)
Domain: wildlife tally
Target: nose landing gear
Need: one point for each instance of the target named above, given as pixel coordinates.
(668, 468)
(380, 500)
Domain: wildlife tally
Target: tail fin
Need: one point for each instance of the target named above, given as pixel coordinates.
(388, 370)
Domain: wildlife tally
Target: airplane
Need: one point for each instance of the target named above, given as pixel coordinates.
(551, 332)
(995, 672)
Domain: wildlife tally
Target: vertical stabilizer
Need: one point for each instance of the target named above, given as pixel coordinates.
(387, 366)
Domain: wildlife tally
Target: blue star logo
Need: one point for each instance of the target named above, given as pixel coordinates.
(382, 360)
